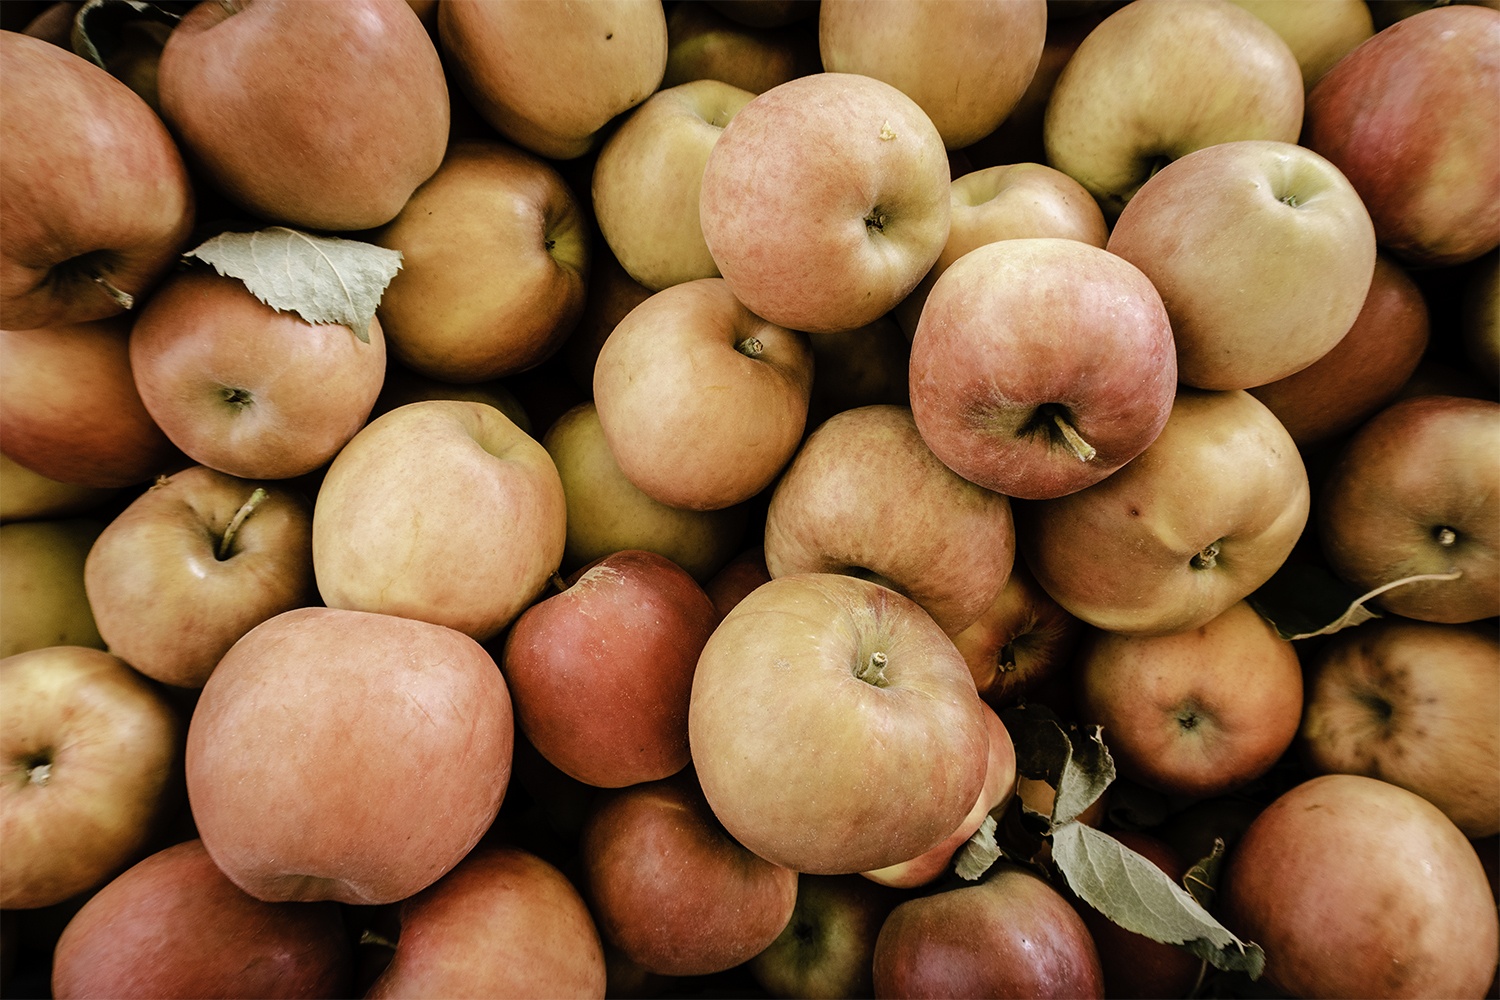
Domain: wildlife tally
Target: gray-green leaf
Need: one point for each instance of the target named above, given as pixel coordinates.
(323, 279)
(978, 853)
(1134, 893)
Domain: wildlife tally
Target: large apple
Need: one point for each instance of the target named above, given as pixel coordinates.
(440, 510)
(1412, 703)
(244, 388)
(703, 44)
(1019, 646)
(1354, 867)
(851, 214)
(827, 948)
(1040, 366)
(1416, 492)
(865, 496)
(43, 600)
(1197, 522)
(192, 564)
(95, 200)
(834, 727)
(378, 82)
(1262, 252)
(326, 742)
(91, 749)
(1419, 93)
(173, 925)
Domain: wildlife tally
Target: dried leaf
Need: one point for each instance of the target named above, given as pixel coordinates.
(1306, 600)
(98, 24)
(978, 853)
(1077, 765)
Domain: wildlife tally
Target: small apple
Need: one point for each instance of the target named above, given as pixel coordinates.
(43, 600)
(703, 44)
(611, 294)
(1021, 644)
(827, 949)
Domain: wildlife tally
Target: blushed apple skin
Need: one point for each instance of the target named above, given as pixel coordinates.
(1021, 644)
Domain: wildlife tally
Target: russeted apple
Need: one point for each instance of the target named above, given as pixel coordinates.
(865, 496)
(43, 597)
(1195, 523)
(95, 199)
(671, 889)
(1040, 366)
(347, 755)
(834, 727)
(1021, 644)
(174, 925)
(827, 948)
(273, 150)
(1416, 491)
(1412, 703)
(1356, 887)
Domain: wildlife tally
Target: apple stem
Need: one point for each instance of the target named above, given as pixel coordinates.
(239, 518)
(750, 347)
(1007, 659)
(557, 581)
(369, 936)
(1076, 443)
(124, 299)
(872, 671)
(1208, 558)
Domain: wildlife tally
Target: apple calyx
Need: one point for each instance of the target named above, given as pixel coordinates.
(39, 769)
(1445, 536)
(225, 543)
(876, 220)
(239, 398)
(1006, 661)
(872, 670)
(750, 347)
(1208, 556)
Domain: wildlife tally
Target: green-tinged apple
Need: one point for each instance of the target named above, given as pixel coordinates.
(1412, 703)
(1479, 317)
(70, 409)
(671, 889)
(834, 727)
(827, 949)
(1319, 34)
(1200, 713)
(43, 601)
(1217, 73)
(549, 77)
(503, 923)
(91, 749)
(244, 388)
(1262, 252)
(1362, 373)
(441, 510)
(850, 214)
(861, 367)
(173, 925)
(1041, 366)
(1021, 644)
(702, 401)
(740, 575)
(607, 513)
(96, 202)
(1416, 491)
(29, 496)
(965, 62)
(703, 44)
(402, 386)
(192, 564)
(1349, 866)
(1419, 93)
(379, 84)
(326, 743)
(1008, 202)
(866, 497)
(1010, 935)
(1197, 522)
(600, 673)
(648, 176)
(494, 265)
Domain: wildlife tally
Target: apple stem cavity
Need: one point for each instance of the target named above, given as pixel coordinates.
(750, 347)
(1075, 441)
(1208, 557)
(122, 298)
(256, 497)
(872, 670)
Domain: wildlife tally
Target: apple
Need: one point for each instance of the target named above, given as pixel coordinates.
(1412, 703)
(703, 44)
(1409, 495)
(611, 294)
(702, 402)
(671, 889)
(1217, 74)
(1418, 93)
(326, 741)
(443, 511)
(1479, 320)
(43, 601)
(834, 727)
(272, 150)
(402, 385)
(1041, 366)
(173, 925)
(861, 367)
(647, 178)
(738, 577)
(1196, 714)
(600, 673)
(1263, 253)
(192, 564)
(1010, 934)
(91, 748)
(965, 62)
(494, 265)
(827, 948)
(852, 214)
(52, 23)
(1354, 867)
(31, 496)
(1021, 644)
(866, 497)
(1319, 34)
(97, 202)
(1362, 373)
(70, 410)
(549, 77)
(244, 388)
(503, 922)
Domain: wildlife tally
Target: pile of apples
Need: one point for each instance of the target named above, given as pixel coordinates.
(634, 497)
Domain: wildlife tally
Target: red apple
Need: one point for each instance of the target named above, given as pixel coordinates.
(1021, 643)
(737, 579)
